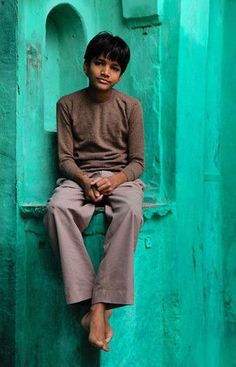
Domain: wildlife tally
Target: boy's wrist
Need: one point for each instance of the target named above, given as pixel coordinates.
(85, 182)
(118, 178)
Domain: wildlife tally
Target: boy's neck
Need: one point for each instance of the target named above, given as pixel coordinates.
(99, 96)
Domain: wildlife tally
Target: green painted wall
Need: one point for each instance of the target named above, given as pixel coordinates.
(8, 16)
(228, 169)
(182, 71)
(197, 177)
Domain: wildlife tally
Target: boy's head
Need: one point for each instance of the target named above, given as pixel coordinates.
(112, 47)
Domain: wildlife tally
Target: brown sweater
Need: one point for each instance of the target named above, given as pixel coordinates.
(95, 136)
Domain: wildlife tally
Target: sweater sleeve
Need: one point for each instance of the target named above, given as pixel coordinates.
(67, 165)
(135, 165)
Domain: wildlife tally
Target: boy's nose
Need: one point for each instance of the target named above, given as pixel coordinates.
(105, 71)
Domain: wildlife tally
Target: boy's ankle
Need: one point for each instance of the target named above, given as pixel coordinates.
(98, 307)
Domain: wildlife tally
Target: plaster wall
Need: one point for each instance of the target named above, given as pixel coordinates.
(228, 168)
(8, 16)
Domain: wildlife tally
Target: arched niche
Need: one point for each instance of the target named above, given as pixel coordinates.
(63, 62)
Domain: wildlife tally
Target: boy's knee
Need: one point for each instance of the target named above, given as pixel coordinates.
(133, 211)
(55, 203)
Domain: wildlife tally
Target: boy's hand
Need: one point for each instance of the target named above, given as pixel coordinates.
(106, 185)
(90, 191)
(93, 195)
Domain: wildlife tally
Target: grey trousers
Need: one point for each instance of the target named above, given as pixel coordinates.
(68, 214)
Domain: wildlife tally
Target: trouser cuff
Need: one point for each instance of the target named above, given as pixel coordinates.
(113, 297)
(78, 297)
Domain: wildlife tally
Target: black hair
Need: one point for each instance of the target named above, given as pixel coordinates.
(110, 46)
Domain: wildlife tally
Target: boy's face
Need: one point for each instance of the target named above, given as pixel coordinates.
(103, 73)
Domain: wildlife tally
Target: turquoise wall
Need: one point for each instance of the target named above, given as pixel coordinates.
(198, 176)
(8, 84)
(228, 168)
(182, 70)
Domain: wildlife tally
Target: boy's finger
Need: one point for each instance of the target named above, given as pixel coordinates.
(95, 180)
(96, 193)
(105, 187)
(99, 198)
(103, 182)
(91, 195)
(106, 191)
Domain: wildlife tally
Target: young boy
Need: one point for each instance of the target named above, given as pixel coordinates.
(100, 150)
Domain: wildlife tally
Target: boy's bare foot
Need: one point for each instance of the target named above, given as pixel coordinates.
(85, 321)
(108, 329)
(94, 322)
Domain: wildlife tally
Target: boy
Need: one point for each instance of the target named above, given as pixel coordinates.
(100, 149)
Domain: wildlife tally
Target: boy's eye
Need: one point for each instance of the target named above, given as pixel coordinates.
(98, 62)
(115, 68)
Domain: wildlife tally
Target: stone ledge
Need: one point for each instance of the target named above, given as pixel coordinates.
(31, 210)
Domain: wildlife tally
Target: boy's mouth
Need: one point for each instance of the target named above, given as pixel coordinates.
(103, 81)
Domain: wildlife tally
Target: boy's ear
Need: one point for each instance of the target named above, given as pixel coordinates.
(86, 68)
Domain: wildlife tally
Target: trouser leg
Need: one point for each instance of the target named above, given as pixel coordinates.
(66, 218)
(114, 280)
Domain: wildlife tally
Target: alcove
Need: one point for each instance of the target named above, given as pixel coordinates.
(63, 61)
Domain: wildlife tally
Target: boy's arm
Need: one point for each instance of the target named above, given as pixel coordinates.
(67, 165)
(135, 165)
